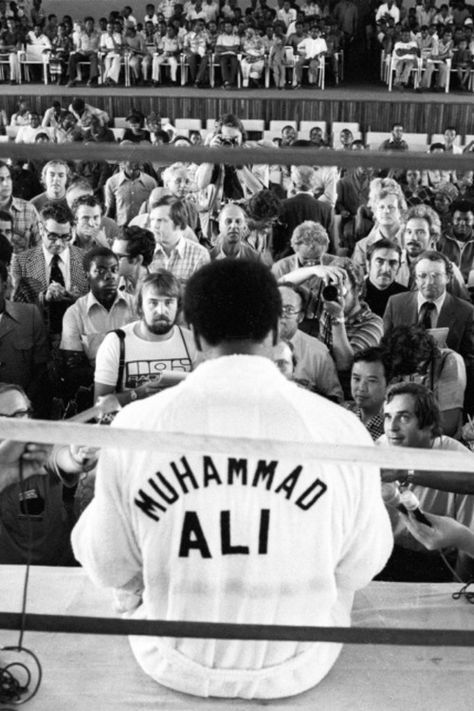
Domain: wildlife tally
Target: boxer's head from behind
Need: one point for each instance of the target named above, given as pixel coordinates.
(233, 306)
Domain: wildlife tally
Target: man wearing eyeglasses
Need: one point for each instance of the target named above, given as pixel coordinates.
(431, 306)
(51, 274)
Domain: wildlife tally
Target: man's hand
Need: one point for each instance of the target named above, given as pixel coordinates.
(57, 292)
(149, 388)
(85, 457)
(445, 532)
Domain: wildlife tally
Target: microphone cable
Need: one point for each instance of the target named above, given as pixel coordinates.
(12, 688)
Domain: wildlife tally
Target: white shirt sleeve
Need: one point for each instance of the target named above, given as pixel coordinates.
(107, 361)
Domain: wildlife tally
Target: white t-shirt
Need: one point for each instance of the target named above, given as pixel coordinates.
(236, 537)
(144, 360)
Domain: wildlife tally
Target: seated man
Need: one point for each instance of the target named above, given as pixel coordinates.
(148, 354)
(39, 496)
(134, 249)
(102, 309)
(314, 368)
(51, 274)
(369, 377)
(25, 216)
(411, 419)
(159, 527)
(173, 251)
(24, 350)
(88, 230)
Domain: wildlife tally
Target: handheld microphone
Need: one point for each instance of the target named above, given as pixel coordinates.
(404, 501)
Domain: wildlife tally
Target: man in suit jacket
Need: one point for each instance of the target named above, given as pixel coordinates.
(23, 346)
(432, 274)
(295, 210)
(51, 274)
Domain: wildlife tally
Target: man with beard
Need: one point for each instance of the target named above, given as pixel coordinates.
(148, 354)
(54, 176)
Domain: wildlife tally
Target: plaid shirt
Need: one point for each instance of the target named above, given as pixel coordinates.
(374, 425)
(25, 225)
(185, 259)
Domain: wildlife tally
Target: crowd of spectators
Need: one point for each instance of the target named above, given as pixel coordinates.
(376, 275)
(286, 40)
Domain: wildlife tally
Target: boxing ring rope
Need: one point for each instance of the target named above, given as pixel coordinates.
(96, 435)
(93, 435)
(236, 156)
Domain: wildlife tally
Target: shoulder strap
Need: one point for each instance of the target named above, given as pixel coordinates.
(121, 337)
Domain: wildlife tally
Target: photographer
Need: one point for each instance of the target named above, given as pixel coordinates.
(347, 325)
(224, 182)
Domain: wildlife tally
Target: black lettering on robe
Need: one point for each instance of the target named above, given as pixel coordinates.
(148, 505)
(319, 488)
(265, 470)
(192, 536)
(237, 468)
(171, 496)
(186, 474)
(209, 472)
(227, 547)
(263, 531)
(289, 482)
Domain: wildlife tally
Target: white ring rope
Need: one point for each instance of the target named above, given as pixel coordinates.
(61, 432)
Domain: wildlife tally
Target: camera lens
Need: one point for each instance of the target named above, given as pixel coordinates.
(330, 293)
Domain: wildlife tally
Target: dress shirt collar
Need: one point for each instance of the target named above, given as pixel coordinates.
(122, 178)
(63, 257)
(91, 301)
(177, 249)
(438, 303)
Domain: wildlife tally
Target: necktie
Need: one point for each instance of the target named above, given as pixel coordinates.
(56, 273)
(424, 317)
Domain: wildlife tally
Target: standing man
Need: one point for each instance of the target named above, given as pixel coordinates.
(431, 306)
(383, 264)
(156, 351)
(458, 243)
(196, 558)
(174, 252)
(55, 177)
(232, 230)
(125, 191)
(134, 249)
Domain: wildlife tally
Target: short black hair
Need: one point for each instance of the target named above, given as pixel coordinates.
(383, 243)
(57, 212)
(140, 241)
(461, 206)
(88, 200)
(373, 354)
(232, 300)
(91, 256)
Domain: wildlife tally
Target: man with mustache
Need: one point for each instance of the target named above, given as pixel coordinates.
(148, 354)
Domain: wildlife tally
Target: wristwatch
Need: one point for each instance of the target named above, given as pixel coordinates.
(133, 396)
